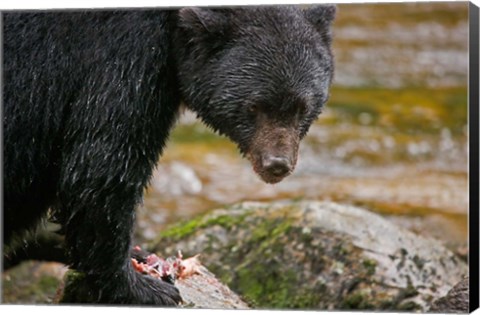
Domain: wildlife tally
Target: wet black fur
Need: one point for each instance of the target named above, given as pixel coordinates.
(90, 98)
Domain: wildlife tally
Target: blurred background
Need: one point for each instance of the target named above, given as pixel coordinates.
(393, 136)
(392, 139)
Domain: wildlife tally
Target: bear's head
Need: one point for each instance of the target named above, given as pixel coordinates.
(259, 75)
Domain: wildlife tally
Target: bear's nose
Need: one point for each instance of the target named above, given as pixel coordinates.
(276, 165)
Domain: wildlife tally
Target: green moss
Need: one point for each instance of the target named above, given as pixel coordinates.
(408, 306)
(226, 221)
(182, 230)
(187, 228)
(357, 301)
(370, 265)
(271, 283)
(272, 287)
(270, 229)
(48, 283)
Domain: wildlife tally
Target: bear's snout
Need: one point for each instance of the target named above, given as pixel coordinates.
(273, 151)
(276, 166)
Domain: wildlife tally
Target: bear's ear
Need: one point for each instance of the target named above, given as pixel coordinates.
(321, 17)
(203, 21)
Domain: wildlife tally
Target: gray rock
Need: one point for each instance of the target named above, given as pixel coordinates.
(317, 255)
(203, 290)
(456, 301)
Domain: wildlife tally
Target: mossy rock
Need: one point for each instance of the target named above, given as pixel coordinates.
(316, 255)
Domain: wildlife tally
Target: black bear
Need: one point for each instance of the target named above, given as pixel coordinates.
(90, 98)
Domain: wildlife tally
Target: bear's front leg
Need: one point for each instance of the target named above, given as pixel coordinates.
(98, 240)
(97, 200)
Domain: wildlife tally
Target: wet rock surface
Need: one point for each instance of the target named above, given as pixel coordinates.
(456, 300)
(317, 255)
(204, 290)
